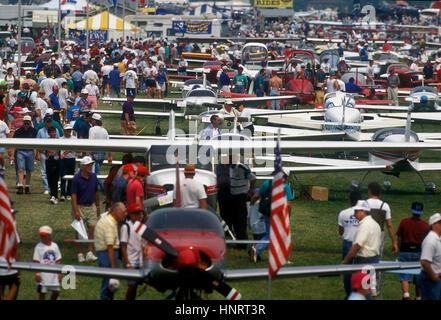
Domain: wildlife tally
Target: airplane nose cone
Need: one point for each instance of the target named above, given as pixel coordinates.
(188, 259)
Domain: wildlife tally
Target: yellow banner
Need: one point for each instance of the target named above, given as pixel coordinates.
(273, 3)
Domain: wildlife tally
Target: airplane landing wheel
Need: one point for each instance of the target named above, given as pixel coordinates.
(387, 185)
(431, 187)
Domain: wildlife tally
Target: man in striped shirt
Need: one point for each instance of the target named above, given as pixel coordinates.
(107, 243)
(242, 182)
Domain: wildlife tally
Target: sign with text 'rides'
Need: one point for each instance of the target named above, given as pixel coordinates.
(273, 3)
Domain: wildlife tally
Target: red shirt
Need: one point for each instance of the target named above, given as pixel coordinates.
(412, 230)
(134, 189)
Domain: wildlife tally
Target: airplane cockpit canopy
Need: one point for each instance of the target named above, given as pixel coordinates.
(169, 219)
(192, 82)
(424, 89)
(201, 93)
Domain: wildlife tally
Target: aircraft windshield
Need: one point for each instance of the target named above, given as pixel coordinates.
(253, 56)
(201, 93)
(162, 157)
(184, 219)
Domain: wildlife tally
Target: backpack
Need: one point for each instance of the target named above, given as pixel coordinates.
(265, 201)
(379, 215)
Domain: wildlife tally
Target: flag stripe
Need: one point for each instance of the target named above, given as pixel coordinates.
(8, 233)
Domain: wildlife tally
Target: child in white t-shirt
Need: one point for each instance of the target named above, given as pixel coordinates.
(47, 252)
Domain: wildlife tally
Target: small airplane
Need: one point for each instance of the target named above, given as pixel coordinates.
(185, 253)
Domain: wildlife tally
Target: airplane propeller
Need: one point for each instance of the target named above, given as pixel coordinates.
(187, 262)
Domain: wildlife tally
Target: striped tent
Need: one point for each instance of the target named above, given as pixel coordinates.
(102, 22)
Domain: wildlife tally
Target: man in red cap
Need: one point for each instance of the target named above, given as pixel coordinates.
(192, 191)
(119, 193)
(361, 287)
(131, 245)
(135, 189)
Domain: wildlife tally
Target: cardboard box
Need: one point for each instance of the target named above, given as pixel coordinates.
(308, 192)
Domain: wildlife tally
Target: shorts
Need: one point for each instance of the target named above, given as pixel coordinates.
(8, 278)
(128, 129)
(131, 90)
(105, 80)
(88, 214)
(408, 256)
(46, 289)
(150, 83)
(25, 160)
(161, 86)
(93, 102)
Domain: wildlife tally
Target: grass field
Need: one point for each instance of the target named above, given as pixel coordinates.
(313, 226)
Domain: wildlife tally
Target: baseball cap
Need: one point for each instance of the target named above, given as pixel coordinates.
(21, 94)
(45, 230)
(143, 170)
(228, 101)
(115, 65)
(332, 73)
(358, 278)
(134, 208)
(434, 218)
(128, 167)
(17, 109)
(130, 66)
(47, 118)
(361, 205)
(68, 126)
(96, 116)
(84, 91)
(27, 118)
(86, 161)
(417, 208)
(49, 112)
(189, 168)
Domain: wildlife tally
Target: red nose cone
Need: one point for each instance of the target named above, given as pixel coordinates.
(188, 259)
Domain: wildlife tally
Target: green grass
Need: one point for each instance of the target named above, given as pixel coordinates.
(315, 240)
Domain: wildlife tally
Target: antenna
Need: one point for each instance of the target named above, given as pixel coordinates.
(171, 126)
(408, 122)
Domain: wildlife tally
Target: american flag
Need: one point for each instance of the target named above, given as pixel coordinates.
(8, 234)
(280, 234)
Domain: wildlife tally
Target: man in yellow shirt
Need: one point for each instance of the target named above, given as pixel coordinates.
(107, 243)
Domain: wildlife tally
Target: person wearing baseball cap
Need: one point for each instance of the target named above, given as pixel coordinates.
(67, 164)
(83, 103)
(393, 82)
(97, 132)
(410, 234)
(429, 277)
(131, 245)
(361, 286)
(119, 193)
(115, 81)
(54, 103)
(228, 109)
(128, 122)
(367, 238)
(47, 252)
(135, 187)
(192, 191)
(130, 81)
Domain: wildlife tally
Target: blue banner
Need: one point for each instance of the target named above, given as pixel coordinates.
(94, 35)
(189, 27)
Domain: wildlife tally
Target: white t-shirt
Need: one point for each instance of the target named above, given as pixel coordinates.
(349, 223)
(326, 67)
(42, 106)
(414, 67)
(130, 78)
(106, 70)
(98, 133)
(47, 254)
(47, 85)
(431, 251)
(191, 192)
(376, 204)
(368, 237)
(89, 74)
(134, 243)
(92, 89)
(13, 96)
(62, 96)
(150, 72)
(246, 113)
(4, 130)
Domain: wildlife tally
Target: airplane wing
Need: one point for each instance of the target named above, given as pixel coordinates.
(315, 161)
(257, 100)
(380, 107)
(79, 270)
(291, 133)
(416, 116)
(140, 113)
(427, 166)
(319, 169)
(264, 112)
(310, 271)
(150, 103)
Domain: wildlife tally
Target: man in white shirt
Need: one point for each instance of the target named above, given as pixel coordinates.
(423, 56)
(347, 226)
(89, 74)
(326, 67)
(248, 127)
(192, 191)
(370, 73)
(429, 278)
(150, 73)
(47, 85)
(131, 245)
(414, 66)
(130, 80)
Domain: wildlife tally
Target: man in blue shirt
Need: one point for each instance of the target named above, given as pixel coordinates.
(351, 87)
(259, 83)
(77, 79)
(73, 111)
(115, 81)
(364, 53)
(264, 191)
(54, 103)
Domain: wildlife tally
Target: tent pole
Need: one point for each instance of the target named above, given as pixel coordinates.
(19, 26)
(59, 27)
(124, 19)
(108, 24)
(87, 26)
